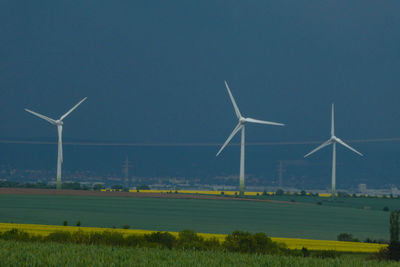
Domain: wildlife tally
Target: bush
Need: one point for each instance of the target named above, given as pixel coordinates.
(240, 241)
(78, 223)
(125, 226)
(326, 254)
(264, 244)
(59, 236)
(188, 239)
(381, 255)
(305, 252)
(279, 192)
(393, 251)
(245, 242)
(15, 234)
(162, 239)
(135, 241)
(212, 244)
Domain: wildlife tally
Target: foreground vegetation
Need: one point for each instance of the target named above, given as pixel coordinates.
(18, 253)
(291, 243)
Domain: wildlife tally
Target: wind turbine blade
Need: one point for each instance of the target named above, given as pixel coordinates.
(60, 148)
(237, 111)
(264, 122)
(320, 147)
(237, 128)
(72, 109)
(41, 116)
(349, 147)
(333, 120)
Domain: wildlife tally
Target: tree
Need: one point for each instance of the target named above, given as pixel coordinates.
(143, 187)
(393, 251)
(117, 187)
(279, 192)
(394, 226)
(71, 186)
(98, 187)
(346, 237)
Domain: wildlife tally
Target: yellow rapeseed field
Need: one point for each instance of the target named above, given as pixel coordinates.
(201, 192)
(291, 243)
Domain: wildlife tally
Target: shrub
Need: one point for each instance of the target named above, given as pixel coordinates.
(81, 237)
(240, 241)
(212, 244)
(135, 241)
(326, 254)
(393, 252)
(245, 242)
(59, 236)
(381, 255)
(65, 223)
(15, 234)
(78, 223)
(188, 239)
(305, 252)
(125, 226)
(264, 244)
(162, 239)
(279, 192)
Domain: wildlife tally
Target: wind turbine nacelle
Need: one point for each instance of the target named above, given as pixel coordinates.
(59, 122)
(242, 120)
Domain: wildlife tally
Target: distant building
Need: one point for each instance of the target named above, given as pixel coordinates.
(394, 190)
(362, 188)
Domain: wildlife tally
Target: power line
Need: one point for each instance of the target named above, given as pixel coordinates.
(191, 144)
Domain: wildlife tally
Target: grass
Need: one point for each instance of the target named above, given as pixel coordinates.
(13, 253)
(301, 219)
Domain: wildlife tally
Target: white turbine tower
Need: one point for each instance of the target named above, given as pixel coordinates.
(333, 140)
(59, 123)
(241, 126)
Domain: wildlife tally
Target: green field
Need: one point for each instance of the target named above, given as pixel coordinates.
(361, 217)
(16, 254)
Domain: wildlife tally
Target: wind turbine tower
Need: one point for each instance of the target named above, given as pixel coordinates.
(333, 140)
(59, 123)
(241, 126)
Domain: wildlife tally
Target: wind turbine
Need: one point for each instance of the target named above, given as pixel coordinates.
(241, 126)
(59, 123)
(333, 140)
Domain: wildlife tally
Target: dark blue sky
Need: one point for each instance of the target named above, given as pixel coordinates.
(153, 71)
